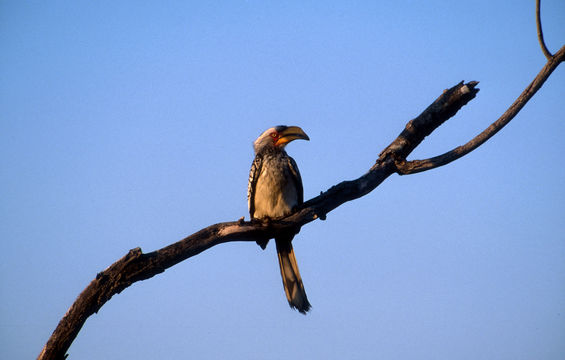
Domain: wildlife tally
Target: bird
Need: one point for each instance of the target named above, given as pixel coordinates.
(275, 190)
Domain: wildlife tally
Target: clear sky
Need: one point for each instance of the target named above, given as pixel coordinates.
(130, 123)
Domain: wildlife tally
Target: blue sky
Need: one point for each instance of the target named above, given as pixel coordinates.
(128, 124)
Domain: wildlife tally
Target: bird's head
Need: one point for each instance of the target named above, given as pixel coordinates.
(278, 137)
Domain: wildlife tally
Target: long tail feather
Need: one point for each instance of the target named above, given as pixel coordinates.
(292, 282)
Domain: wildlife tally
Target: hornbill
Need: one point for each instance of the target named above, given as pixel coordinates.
(275, 190)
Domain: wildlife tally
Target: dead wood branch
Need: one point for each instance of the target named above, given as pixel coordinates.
(415, 166)
(136, 266)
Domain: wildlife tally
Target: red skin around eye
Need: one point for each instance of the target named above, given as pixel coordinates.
(275, 136)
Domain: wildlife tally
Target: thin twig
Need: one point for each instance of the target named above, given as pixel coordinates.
(415, 166)
(544, 48)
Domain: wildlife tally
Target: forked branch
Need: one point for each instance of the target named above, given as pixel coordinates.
(136, 266)
(411, 167)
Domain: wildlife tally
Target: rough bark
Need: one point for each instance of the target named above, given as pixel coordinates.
(136, 266)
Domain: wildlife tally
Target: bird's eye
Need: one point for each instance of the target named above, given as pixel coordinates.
(274, 135)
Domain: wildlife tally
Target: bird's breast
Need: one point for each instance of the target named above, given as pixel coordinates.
(275, 193)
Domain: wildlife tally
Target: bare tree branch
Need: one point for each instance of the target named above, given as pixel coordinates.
(544, 48)
(136, 266)
(415, 166)
(417, 129)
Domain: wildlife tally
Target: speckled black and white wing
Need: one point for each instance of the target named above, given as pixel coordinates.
(252, 184)
(297, 179)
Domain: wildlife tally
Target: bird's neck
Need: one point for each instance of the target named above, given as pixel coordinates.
(271, 150)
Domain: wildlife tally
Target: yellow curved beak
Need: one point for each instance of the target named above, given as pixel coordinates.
(291, 133)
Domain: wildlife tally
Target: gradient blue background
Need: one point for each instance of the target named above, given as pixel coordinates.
(126, 124)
